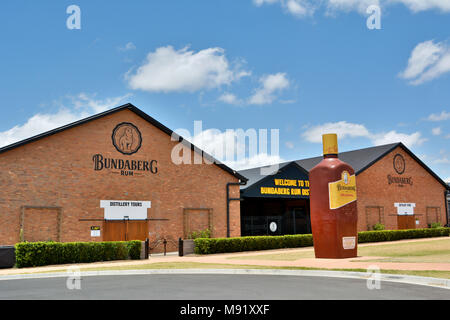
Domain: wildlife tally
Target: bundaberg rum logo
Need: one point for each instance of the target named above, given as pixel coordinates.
(127, 138)
(399, 164)
(342, 192)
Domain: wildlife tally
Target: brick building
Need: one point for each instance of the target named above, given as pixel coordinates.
(112, 177)
(117, 176)
(394, 188)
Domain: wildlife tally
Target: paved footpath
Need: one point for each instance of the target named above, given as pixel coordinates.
(352, 263)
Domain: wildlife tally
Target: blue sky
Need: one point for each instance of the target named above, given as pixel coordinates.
(303, 67)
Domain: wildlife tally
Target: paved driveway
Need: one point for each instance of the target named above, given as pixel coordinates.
(213, 287)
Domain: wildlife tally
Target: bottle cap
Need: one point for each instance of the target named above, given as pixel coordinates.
(330, 145)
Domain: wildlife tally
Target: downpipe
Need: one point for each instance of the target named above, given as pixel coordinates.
(240, 183)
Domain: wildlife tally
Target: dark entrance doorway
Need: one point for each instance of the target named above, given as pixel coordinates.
(125, 230)
(274, 217)
(275, 203)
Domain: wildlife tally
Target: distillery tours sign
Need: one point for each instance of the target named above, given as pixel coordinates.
(125, 209)
(127, 139)
(405, 209)
(399, 167)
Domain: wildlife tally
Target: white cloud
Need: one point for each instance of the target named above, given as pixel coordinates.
(305, 8)
(343, 129)
(259, 3)
(86, 101)
(81, 107)
(129, 46)
(444, 115)
(297, 8)
(408, 140)
(423, 5)
(353, 130)
(443, 160)
(289, 145)
(428, 60)
(169, 70)
(436, 131)
(289, 101)
(350, 5)
(413, 5)
(230, 98)
(447, 180)
(270, 85)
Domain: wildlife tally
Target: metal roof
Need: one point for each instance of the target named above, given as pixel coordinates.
(254, 175)
(360, 160)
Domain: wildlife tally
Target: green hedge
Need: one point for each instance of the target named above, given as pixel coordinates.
(224, 245)
(33, 254)
(393, 235)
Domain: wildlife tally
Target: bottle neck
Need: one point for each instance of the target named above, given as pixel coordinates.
(331, 155)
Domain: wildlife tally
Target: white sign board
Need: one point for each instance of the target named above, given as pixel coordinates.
(125, 209)
(405, 209)
(95, 233)
(273, 226)
(349, 243)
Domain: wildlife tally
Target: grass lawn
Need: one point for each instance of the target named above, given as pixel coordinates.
(437, 251)
(423, 251)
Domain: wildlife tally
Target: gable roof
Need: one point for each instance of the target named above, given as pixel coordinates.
(257, 180)
(360, 160)
(140, 113)
(254, 175)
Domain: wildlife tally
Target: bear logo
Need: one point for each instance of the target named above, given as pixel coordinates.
(126, 141)
(126, 138)
(399, 164)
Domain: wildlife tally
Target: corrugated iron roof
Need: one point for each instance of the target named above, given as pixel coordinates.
(359, 159)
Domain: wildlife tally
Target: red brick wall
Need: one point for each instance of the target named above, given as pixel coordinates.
(374, 190)
(197, 220)
(58, 171)
(40, 224)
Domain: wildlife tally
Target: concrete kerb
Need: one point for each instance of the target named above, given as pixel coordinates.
(414, 280)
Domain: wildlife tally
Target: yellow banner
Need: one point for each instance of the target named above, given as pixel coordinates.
(342, 192)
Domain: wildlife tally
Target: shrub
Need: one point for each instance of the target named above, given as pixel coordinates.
(224, 245)
(200, 234)
(378, 227)
(436, 225)
(32, 254)
(393, 235)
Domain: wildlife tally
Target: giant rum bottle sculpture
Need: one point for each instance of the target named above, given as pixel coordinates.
(334, 213)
